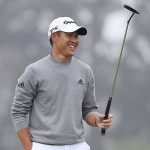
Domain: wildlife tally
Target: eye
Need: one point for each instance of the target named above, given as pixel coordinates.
(68, 34)
(76, 36)
(72, 34)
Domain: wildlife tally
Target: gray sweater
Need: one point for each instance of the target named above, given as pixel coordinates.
(56, 96)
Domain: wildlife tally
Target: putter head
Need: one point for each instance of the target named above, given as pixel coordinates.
(131, 9)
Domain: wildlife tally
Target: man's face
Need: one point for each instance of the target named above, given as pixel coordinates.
(66, 43)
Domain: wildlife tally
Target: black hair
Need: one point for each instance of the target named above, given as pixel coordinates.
(51, 41)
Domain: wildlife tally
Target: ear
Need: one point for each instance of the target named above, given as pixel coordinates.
(54, 36)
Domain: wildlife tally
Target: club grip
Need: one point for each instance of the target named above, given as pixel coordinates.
(106, 114)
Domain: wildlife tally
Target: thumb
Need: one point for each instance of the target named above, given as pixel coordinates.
(99, 120)
(101, 116)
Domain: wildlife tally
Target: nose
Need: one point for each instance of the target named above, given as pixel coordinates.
(74, 39)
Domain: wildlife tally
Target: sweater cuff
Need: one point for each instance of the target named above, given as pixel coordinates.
(21, 125)
(90, 113)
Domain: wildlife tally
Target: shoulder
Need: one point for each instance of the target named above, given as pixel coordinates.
(82, 64)
(38, 64)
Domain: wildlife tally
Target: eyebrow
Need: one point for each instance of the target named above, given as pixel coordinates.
(76, 33)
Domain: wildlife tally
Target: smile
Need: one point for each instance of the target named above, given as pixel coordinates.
(71, 46)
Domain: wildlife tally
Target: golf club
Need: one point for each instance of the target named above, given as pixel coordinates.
(110, 98)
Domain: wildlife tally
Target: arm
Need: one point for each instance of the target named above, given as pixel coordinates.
(90, 107)
(98, 120)
(24, 96)
(25, 138)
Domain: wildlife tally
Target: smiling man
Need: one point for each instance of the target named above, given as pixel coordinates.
(57, 92)
(64, 45)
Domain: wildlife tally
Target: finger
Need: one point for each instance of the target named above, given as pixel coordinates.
(106, 126)
(110, 116)
(101, 115)
(107, 121)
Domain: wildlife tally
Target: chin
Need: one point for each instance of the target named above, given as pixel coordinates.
(71, 53)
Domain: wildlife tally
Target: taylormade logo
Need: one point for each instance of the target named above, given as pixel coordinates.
(53, 29)
(66, 22)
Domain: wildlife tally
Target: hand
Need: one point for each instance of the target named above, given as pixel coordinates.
(101, 123)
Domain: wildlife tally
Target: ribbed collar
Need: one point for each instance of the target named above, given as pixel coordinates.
(60, 62)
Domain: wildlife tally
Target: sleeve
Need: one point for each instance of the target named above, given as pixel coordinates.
(24, 95)
(89, 105)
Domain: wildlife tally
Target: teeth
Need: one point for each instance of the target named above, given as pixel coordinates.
(71, 46)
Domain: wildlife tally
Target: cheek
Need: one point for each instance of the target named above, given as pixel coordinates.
(77, 43)
(63, 42)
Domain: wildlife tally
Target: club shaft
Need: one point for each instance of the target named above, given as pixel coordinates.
(103, 131)
(118, 65)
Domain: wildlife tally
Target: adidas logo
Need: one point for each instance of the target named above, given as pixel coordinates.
(21, 85)
(80, 82)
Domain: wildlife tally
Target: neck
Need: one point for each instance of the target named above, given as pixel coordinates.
(60, 57)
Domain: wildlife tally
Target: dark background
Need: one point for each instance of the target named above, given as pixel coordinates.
(23, 40)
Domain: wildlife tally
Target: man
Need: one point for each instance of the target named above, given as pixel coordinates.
(57, 92)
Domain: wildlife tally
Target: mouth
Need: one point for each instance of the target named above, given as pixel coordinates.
(72, 47)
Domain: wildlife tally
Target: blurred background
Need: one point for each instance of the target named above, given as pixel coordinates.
(23, 40)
